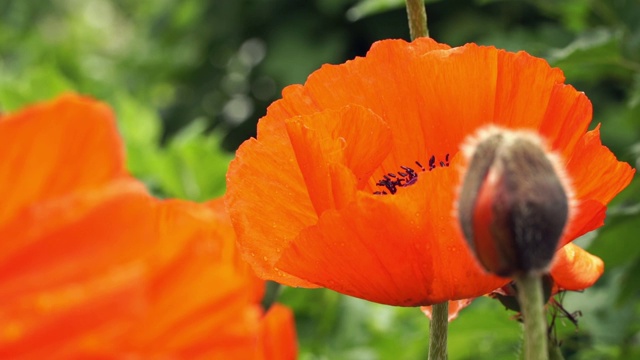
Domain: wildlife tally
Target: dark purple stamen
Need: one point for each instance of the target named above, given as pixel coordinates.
(432, 162)
(392, 181)
(389, 184)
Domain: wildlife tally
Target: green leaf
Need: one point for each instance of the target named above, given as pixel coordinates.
(593, 54)
(630, 283)
(140, 127)
(195, 165)
(40, 83)
(371, 7)
(192, 166)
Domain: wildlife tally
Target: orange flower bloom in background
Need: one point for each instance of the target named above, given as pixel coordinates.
(92, 266)
(351, 181)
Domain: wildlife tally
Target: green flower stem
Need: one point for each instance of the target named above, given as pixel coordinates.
(417, 15)
(535, 323)
(438, 331)
(555, 353)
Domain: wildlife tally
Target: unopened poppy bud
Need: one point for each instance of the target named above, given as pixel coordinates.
(514, 201)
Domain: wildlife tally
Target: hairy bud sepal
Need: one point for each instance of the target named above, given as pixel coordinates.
(514, 201)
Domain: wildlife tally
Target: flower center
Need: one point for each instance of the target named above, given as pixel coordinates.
(407, 176)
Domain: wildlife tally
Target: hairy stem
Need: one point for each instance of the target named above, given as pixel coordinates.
(417, 15)
(438, 331)
(535, 323)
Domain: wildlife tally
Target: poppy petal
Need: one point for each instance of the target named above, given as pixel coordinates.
(592, 165)
(174, 323)
(266, 168)
(502, 92)
(72, 133)
(524, 87)
(325, 88)
(53, 322)
(96, 267)
(73, 273)
(221, 236)
(575, 110)
(576, 269)
(337, 151)
(54, 251)
(135, 303)
(278, 334)
(587, 216)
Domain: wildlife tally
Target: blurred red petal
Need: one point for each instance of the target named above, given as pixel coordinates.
(54, 148)
(278, 336)
(93, 267)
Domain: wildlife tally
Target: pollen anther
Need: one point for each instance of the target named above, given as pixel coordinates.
(408, 176)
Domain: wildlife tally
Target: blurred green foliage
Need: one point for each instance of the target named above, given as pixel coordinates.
(188, 80)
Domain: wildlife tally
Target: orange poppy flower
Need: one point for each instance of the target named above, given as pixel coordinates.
(351, 181)
(92, 266)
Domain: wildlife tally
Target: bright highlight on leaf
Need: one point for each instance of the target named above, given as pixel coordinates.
(351, 181)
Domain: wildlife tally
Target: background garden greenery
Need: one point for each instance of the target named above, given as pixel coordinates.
(188, 80)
